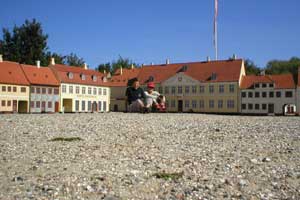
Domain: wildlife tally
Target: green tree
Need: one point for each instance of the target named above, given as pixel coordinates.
(25, 44)
(73, 60)
(122, 62)
(104, 67)
(59, 59)
(251, 68)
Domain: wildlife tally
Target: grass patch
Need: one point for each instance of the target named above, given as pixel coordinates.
(168, 176)
(64, 139)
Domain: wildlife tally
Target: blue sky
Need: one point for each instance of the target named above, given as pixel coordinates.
(151, 31)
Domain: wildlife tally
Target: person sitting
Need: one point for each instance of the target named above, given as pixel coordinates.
(135, 96)
(153, 98)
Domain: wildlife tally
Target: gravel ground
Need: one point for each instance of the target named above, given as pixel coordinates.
(154, 156)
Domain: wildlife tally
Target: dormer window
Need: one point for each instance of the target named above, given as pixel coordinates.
(82, 76)
(213, 76)
(70, 75)
(151, 79)
(94, 77)
(184, 68)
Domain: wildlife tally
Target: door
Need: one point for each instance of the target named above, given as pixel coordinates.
(15, 106)
(56, 106)
(270, 108)
(95, 106)
(43, 106)
(116, 109)
(180, 105)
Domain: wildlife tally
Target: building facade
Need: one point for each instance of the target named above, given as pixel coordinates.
(81, 89)
(268, 94)
(298, 93)
(44, 89)
(14, 88)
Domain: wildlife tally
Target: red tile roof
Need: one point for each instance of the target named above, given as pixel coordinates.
(62, 72)
(40, 76)
(120, 80)
(12, 73)
(282, 81)
(225, 71)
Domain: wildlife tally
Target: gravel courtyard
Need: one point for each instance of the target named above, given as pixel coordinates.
(154, 156)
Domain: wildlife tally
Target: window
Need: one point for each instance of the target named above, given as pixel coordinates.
(56, 91)
(43, 90)
(264, 94)
(271, 85)
(194, 104)
(173, 103)
(3, 102)
(288, 94)
(194, 89)
(250, 106)
(166, 90)
(213, 76)
(83, 90)
(257, 95)
(49, 90)
(264, 106)
(257, 106)
(82, 77)
(244, 107)
(211, 104)
(71, 89)
(99, 91)
(77, 105)
(9, 89)
(83, 105)
(271, 94)
(201, 103)
(89, 90)
(64, 89)
(211, 89)
(3, 88)
(187, 89)
(95, 91)
(33, 90)
(100, 106)
(244, 94)
(256, 85)
(77, 89)
(89, 105)
(49, 104)
(250, 94)
(231, 88)
(38, 90)
(167, 103)
(221, 88)
(264, 85)
(94, 77)
(179, 90)
(202, 89)
(23, 89)
(187, 103)
(38, 104)
(230, 103)
(14, 89)
(70, 75)
(8, 103)
(278, 94)
(104, 106)
(104, 93)
(160, 90)
(173, 90)
(220, 104)
(32, 104)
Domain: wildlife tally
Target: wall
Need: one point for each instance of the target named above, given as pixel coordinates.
(11, 96)
(36, 97)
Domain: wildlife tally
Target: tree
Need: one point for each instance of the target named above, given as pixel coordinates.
(59, 59)
(122, 62)
(25, 44)
(104, 67)
(251, 68)
(74, 60)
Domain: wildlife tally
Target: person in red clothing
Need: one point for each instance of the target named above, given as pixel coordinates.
(153, 99)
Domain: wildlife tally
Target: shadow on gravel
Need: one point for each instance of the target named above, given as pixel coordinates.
(63, 139)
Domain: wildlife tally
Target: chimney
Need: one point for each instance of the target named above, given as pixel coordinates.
(1, 58)
(52, 61)
(121, 70)
(132, 66)
(104, 71)
(208, 59)
(152, 63)
(168, 61)
(234, 57)
(85, 66)
(263, 73)
(38, 64)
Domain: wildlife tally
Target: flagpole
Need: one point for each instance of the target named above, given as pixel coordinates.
(216, 29)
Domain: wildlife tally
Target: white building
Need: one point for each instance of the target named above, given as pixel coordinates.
(268, 94)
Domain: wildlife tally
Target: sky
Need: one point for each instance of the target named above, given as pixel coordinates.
(155, 30)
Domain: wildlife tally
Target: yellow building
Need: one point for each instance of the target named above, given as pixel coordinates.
(208, 87)
(14, 88)
(81, 89)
